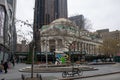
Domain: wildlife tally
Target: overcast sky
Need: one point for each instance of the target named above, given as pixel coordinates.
(102, 13)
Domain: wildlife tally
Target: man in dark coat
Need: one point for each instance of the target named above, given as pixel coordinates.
(5, 66)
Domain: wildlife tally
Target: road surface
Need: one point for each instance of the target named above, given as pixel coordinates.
(106, 77)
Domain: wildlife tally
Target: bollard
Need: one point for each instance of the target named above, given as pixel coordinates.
(40, 77)
(23, 77)
(37, 75)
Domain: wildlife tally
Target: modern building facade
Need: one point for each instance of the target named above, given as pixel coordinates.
(45, 12)
(48, 10)
(102, 33)
(7, 28)
(79, 21)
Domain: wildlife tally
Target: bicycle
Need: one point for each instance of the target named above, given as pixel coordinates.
(74, 71)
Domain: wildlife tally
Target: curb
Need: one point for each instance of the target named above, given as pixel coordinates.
(105, 63)
(72, 78)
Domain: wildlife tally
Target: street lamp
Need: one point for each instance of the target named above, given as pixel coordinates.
(118, 45)
(45, 42)
(46, 53)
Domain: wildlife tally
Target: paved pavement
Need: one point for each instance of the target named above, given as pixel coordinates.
(102, 70)
(107, 77)
(14, 74)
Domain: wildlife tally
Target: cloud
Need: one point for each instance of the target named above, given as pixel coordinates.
(24, 9)
(102, 13)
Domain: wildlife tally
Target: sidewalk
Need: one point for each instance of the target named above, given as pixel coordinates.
(102, 70)
(14, 74)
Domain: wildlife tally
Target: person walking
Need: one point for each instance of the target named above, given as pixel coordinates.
(13, 62)
(1, 66)
(5, 67)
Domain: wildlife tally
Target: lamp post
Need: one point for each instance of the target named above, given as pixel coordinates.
(45, 42)
(32, 65)
(118, 49)
(46, 54)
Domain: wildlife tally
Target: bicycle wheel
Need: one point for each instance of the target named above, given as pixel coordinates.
(80, 73)
(64, 74)
(75, 71)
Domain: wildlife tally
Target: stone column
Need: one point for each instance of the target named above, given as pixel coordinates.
(91, 49)
(56, 44)
(88, 48)
(48, 47)
(81, 46)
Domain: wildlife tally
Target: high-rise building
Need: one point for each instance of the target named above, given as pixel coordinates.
(79, 21)
(48, 10)
(7, 28)
(45, 12)
(55, 9)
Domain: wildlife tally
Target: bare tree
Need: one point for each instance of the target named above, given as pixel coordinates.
(24, 31)
(87, 24)
(110, 47)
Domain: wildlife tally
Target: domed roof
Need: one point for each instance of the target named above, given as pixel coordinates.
(60, 24)
(61, 21)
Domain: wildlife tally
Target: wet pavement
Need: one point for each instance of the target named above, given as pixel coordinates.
(14, 74)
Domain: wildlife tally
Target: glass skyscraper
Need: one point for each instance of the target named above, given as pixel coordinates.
(45, 12)
(48, 10)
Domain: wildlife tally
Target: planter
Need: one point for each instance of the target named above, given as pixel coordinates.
(28, 77)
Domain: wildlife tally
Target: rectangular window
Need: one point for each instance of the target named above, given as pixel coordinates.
(2, 20)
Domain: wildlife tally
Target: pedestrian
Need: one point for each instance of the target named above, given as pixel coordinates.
(1, 62)
(17, 60)
(13, 62)
(1, 66)
(5, 66)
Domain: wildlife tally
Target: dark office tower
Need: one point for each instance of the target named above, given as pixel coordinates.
(39, 14)
(55, 9)
(45, 12)
(79, 21)
(62, 8)
(48, 10)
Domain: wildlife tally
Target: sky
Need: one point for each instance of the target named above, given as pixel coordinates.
(102, 14)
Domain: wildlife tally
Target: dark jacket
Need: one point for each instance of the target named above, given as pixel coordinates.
(5, 65)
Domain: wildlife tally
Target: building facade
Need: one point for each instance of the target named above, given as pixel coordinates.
(106, 34)
(7, 28)
(48, 10)
(79, 21)
(22, 51)
(111, 40)
(63, 35)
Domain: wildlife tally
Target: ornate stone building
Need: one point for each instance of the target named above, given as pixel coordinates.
(63, 35)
